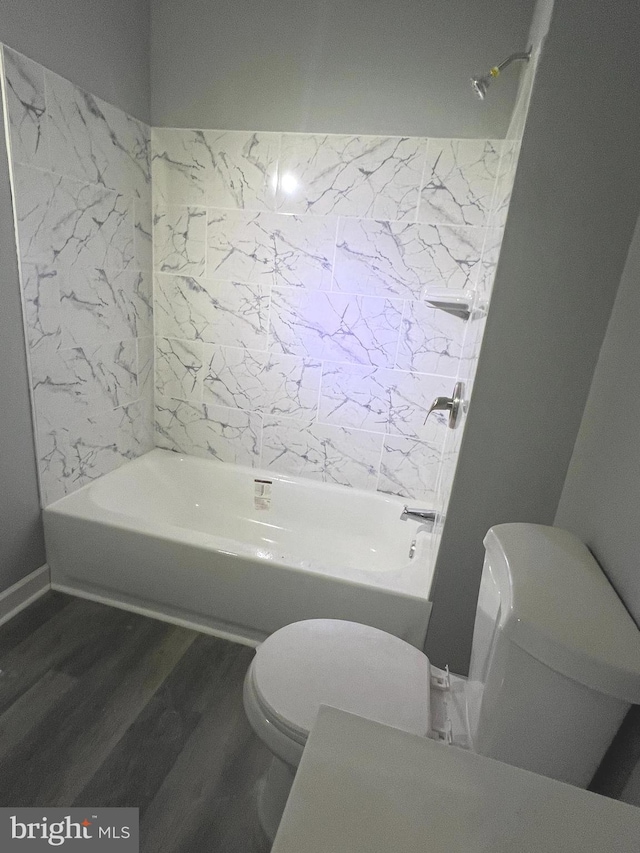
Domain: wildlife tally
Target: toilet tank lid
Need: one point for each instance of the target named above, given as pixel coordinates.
(557, 604)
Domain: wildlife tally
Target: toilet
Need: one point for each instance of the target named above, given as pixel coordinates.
(555, 666)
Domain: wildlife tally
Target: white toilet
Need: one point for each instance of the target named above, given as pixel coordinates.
(555, 665)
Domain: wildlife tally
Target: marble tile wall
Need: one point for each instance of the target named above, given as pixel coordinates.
(82, 199)
(294, 281)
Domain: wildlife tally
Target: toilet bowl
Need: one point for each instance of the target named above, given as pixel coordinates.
(555, 665)
(347, 665)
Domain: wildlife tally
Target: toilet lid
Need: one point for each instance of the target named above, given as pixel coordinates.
(349, 666)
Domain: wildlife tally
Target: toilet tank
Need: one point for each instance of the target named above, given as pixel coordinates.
(555, 660)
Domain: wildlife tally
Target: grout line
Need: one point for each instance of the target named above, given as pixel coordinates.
(400, 331)
(423, 176)
(269, 319)
(494, 192)
(380, 458)
(332, 288)
(260, 455)
(427, 288)
(47, 117)
(206, 243)
(320, 386)
(301, 358)
(251, 212)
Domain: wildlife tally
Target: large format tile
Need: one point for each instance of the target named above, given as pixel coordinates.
(26, 110)
(220, 312)
(95, 142)
(82, 197)
(78, 443)
(99, 377)
(41, 304)
(179, 368)
(179, 236)
(259, 288)
(354, 395)
(322, 452)
(403, 260)
(372, 176)
(223, 312)
(227, 169)
(242, 168)
(431, 340)
(62, 219)
(271, 248)
(410, 469)
(382, 400)
(260, 381)
(459, 181)
(104, 305)
(335, 326)
(201, 429)
(178, 166)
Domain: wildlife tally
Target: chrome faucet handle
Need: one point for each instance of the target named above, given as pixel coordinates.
(455, 405)
(441, 404)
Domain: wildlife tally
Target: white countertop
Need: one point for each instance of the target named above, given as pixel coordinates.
(367, 788)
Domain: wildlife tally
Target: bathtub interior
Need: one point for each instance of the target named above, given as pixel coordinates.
(188, 540)
(299, 523)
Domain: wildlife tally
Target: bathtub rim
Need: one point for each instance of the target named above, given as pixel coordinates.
(77, 505)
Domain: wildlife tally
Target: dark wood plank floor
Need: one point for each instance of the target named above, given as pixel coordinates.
(100, 707)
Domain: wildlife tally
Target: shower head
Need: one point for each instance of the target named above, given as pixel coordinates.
(481, 83)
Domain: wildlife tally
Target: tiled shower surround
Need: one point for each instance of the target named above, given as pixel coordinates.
(82, 197)
(291, 286)
(292, 279)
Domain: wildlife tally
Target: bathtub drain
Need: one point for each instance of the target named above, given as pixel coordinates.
(262, 494)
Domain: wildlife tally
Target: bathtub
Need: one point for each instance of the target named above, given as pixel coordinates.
(240, 552)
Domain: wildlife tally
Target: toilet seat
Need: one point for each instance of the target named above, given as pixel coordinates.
(354, 667)
(347, 665)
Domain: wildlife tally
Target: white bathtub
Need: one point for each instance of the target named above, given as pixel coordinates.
(201, 543)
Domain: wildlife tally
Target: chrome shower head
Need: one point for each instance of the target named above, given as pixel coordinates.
(481, 84)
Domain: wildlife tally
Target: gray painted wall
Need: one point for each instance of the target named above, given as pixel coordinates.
(631, 791)
(334, 66)
(21, 536)
(601, 494)
(573, 210)
(101, 46)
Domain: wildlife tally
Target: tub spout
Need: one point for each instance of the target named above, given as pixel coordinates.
(426, 515)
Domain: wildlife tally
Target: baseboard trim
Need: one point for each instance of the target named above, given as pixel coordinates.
(248, 639)
(23, 593)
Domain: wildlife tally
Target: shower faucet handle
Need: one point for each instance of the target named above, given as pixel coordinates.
(440, 404)
(455, 405)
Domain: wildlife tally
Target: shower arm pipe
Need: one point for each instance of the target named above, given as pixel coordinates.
(522, 56)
